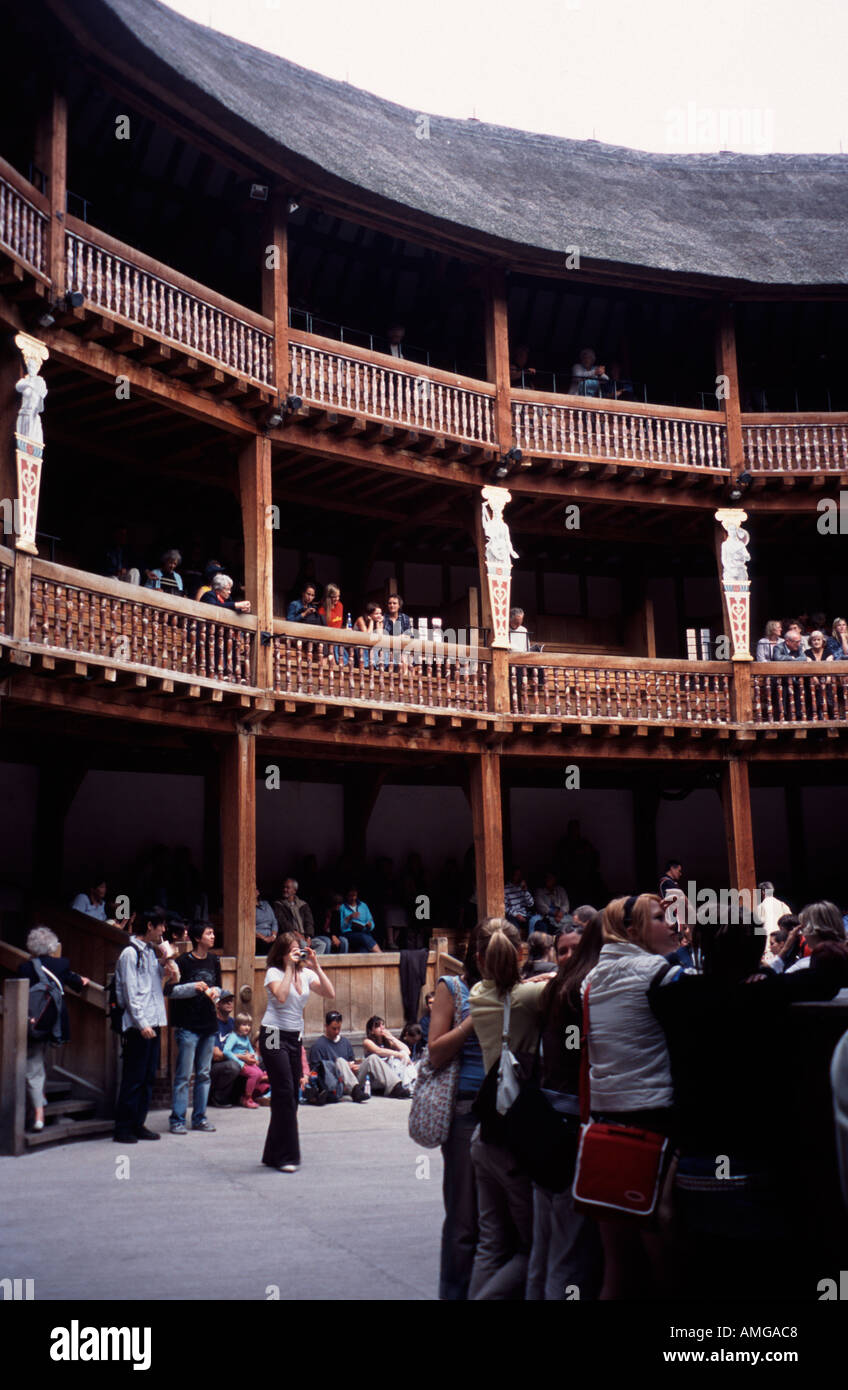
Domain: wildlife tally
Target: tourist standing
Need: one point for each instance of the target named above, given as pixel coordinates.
(195, 1022)
(139, 974)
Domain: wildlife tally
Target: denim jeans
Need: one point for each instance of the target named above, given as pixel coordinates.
(194, 1053)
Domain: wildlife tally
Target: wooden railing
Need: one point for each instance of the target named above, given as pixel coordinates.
(23, 218)
(652, 435)
(75, 612)
(133, 287)
(795, 443)
(352, 666)
(7, 565)
(799, 693)
(383, 388)
(629, 690)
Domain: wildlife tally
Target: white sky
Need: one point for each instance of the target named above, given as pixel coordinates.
(669, 75)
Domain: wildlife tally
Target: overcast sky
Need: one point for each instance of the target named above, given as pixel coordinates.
(670, 75)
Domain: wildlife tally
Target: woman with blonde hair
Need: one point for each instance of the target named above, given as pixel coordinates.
(837, 643)
(629, 1069)
(504, 1193)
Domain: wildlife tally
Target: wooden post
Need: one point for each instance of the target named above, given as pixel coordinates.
(13, 1067)
(258, 518)
(499, 672)
(51, 156)
(485, 788)
(497, 355)
(738, 832)
(21, 599)
(238, 857)
(275, 288)
(742, 704)
(726, 366)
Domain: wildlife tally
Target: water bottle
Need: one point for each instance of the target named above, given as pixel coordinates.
(367, 1088)
(348, 622)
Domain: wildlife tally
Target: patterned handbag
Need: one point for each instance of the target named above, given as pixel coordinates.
(434, 1097)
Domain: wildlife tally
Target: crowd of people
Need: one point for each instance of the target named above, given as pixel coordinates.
(589, 377)
(804, 639)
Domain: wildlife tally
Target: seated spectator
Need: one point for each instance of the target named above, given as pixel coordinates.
(518, 903)
(331, 611)
(379, 1042)
(395, 621)
(817, 650)
(586, 376)
(777, 939)
(837, 643)
(583, 915)
(118, 562)
(821, 927)
(92, 903)
(519, 637)
(621, 385)
(227, 1079)
(552, 902)
(212, 568)
(540, 956)
(295, 914)
(266, 925)
(332, 926)
(792, 647)
(356, 924)
(238, 1048)
(520, 373)
(334, 1050)
(567, 942)
(767, 644)
(305, 608)
(371, 621)
(395, 336)
(412, 1036)
(221, 595)
(424, 1020)
(684, 955)
(176, 932)
(165, 578)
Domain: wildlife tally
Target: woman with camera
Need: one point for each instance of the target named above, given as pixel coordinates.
(293, 971)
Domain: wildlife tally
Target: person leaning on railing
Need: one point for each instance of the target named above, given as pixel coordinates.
(220, 595)
(165, 578)
(767, 644)
(837, 643)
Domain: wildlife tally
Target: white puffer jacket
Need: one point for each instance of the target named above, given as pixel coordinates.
(628, 1059)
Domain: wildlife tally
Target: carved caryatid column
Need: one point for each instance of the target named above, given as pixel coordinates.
(735, 583)
(499, 558)
(29, 441)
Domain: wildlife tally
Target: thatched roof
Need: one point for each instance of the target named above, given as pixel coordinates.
(771, 220)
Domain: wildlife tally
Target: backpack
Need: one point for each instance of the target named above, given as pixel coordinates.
(114, 1009)
(45, 1006)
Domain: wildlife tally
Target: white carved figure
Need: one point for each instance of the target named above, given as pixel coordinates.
(32, 389)
(499, 549)
(735, 555)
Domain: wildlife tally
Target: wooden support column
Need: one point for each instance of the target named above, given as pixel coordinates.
(497, 355)
(726, 366)
(13, 1053)
(257, 524)
(485, 788)
(738, 831)
(275, 287)
(361, 788)
(499, 671)
(742, 701)
(51, 156)
(238, 857)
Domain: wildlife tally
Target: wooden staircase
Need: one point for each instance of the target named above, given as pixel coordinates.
(68, 1116)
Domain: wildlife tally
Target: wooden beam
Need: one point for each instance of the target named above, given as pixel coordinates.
(727, 366)
(51, 156)
(497, 354)
(486, 817)
(738, 829)
(275, 288)
(258, 517)
(237, 807)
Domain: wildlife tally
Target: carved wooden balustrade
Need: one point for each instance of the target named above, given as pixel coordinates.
(799, 693)
(364, 383)
(78, 613)
(617, 690)
(136, 289)
(795, 443)
(353, 667)
(651, 435)
(23, 218)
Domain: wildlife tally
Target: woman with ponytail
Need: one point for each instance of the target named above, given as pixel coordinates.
(504, 1193)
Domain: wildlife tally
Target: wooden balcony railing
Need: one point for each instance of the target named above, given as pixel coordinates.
(23, 219)
(799, 693)
(795, 443)
(141, 292)
(354, 667)
(654, 435)
(79, 613)
(7, 565)
(401, 393)
(633, 690)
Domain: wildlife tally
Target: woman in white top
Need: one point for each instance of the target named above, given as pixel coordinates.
(629, 1068)
(288, 984)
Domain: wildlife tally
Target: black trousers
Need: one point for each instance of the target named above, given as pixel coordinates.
(226, 1082)
(141, 1059)
(281, 1057)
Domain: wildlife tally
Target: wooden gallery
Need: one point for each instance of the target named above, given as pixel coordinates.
(309, 337)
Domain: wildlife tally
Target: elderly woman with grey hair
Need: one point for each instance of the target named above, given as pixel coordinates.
(221, 595)
(44, 945)
(165, 577)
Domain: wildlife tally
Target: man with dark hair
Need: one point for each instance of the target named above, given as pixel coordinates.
(337, 1051)
(670, 881)
(519, 907)
(138, 984)
(226, 1077)
(195, 1023)
(395, 621)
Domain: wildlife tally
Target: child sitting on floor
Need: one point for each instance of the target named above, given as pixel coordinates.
(239, 1048)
